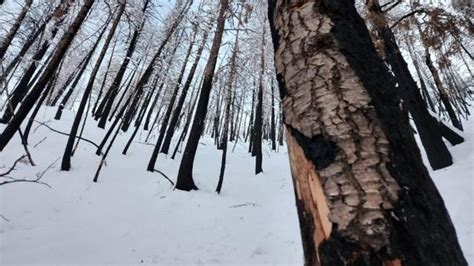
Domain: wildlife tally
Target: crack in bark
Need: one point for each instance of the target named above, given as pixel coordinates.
(330, 114)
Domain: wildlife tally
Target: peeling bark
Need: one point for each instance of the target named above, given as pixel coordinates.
(363, 194)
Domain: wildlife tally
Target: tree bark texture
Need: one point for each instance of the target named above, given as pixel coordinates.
(363, 194)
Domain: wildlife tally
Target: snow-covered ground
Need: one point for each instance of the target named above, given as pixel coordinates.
(132, 216)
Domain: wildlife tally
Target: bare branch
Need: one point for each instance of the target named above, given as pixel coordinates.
(13, 166)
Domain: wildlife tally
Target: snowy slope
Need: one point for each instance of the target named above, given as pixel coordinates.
(132, 216)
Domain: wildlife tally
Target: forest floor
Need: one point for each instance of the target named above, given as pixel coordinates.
(132, 216)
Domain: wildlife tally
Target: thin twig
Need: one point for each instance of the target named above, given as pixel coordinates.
(41, 141)
(4, 218)
(65, 134)
(13, 166)
(165, 176)
(245, 204)
(406, 16)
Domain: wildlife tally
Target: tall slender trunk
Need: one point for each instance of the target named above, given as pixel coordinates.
(83, 67)
(185, 174)
(227, 108)
(7, 40)
(272, 121)
(182, 97)
(443, 95)
(66, 159)
(148, 72)
(36, 91)
(166, 117)
(257, 126)
(113, 90)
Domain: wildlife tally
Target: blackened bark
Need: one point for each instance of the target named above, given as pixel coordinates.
(68, 151)
(417, 230)
(182, 97)
(26, 46)
(443, 95)
(185, 174)
(257, 128)
(436, 151)
(113, 90)
(149, 70)
(272, 121)
(14, 29)
(83, 67)
(167, 115)
(36, 91)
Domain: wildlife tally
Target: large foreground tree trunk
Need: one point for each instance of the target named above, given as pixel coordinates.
(363, 194)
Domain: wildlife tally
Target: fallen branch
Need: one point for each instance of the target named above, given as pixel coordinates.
(13, 166)
(163, 174)
(66, 134)
(39, 175)
(4, 218)
(407, 15)
(41, 141)
(245, 204)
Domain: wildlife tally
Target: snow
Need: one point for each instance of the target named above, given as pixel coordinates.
(132, 216)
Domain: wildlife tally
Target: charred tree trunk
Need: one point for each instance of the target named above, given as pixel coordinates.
(148, 72)
(88, 57)
(436, 151)
(36, 91)
(66, 159)
(182, 97)
(166, 118)
(14, 29)
(363, 194)
(113, 90)
(104, 80)
(185, 174)
(443, 95)
(272, 121)
(257, 127)
(227, 110)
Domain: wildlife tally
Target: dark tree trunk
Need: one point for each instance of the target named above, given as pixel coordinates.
(148, 72)
(363, 194)
(83, 67)
(163, 81)
(227, 110)
(66, 159)
(257, 126)
(272, 121)
(26, 46)
(167, 114)
(22, 88)
(36, 91)
(443, 95)
(104, 80)
(436, 151)
(249, 133)
(187, 123)
(113, 90)
(185, 174)
(182, 97)
(14, 29)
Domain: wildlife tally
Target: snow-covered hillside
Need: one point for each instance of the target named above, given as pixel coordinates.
(132, 216)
